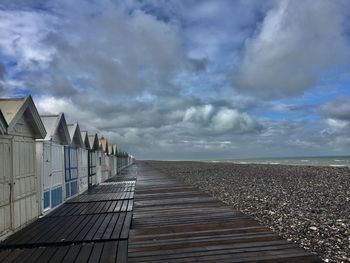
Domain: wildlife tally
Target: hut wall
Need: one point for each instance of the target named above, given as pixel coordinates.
(5, 184)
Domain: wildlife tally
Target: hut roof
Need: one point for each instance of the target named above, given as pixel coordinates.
(3, 124)
(104, 144)
(115, 149)
(84, 136)
(75, 135)
(56, 125)
(110, 150)
(93, 141)
(14, 109)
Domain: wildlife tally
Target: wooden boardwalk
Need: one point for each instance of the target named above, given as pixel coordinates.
(164, 221)
(92, 227)
(173, 222)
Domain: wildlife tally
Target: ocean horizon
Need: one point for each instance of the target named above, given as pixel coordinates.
(333, 161)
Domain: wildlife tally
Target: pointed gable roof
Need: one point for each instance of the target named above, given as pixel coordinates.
(3, 124)
(110, 150)
(104, 144)
(84, 136)
(14, 109)
(75, 135)
(115, 149)
(56, 127)
(93, 141)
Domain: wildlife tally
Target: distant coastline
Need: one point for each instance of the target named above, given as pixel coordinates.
(333, 161)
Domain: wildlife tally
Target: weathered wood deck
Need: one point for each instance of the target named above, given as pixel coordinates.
(165, 221)
(173, 222)
(92, 227)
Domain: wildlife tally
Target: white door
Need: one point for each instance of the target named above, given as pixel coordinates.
(98, 167)
(46, 176)
(5, 185)
(24, 196)
(111, 166)
(106, 172)
(83, 170)
(57, 174)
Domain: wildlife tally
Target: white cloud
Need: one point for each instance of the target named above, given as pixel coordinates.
(297, 44)
(230, 120)
(198, 114)
(22, 33)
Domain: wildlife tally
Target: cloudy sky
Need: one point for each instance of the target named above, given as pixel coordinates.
(187, 79)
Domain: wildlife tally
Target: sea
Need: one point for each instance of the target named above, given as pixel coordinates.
(335, 161)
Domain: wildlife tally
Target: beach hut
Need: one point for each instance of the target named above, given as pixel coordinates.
(93, 159)
(83, 167)
(115, 165)
(71, 160)
(50, 160)
(104, 160)
(19, 193)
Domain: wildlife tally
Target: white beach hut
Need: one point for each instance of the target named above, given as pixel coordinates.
(83, 167)
(71, 160)
(19, 191)
(50, 160)
(104, 160)
(93, 159)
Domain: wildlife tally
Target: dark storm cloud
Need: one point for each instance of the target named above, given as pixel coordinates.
(338, 109)
(2, 79)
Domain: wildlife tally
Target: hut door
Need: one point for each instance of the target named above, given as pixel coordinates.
(71, 171)
(47, 182)
(83, 169)
(57, 174)
(5, 186)
(24, 190)
(92, 168)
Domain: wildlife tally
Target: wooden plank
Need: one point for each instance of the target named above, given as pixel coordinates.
(109, 252)
(47, 255)
(4, 254)
(122, 252)
(72, 254)
(84, 253)
(177, 223)
(60, 254)
(12, 256)
(109, 229)
(96, 253)
(118, 226)
(102, 228)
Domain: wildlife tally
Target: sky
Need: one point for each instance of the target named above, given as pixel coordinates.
(187, 79)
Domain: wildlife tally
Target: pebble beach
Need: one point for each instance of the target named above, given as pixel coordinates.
(308, 205)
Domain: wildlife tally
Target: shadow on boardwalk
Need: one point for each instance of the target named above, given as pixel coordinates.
(92, 227)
